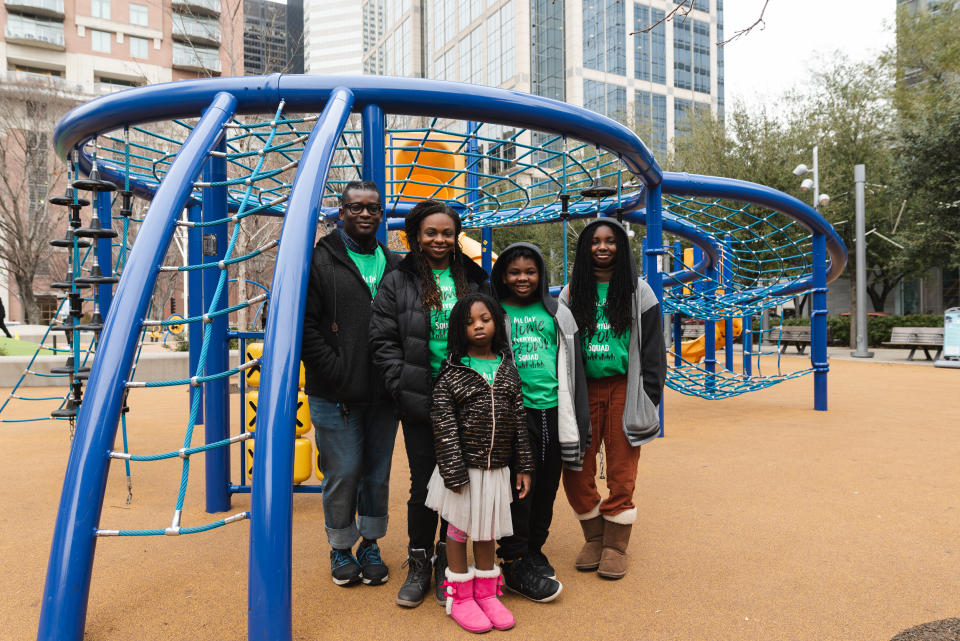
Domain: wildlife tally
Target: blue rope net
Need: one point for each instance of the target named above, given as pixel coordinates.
(496, 177)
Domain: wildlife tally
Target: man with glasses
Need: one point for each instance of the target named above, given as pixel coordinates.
(353, 417)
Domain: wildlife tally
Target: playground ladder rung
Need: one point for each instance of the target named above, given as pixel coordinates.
(183, 452)
(175, 531)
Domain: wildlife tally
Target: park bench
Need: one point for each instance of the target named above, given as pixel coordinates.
(796, 335)
(917, 338)
(692, 331)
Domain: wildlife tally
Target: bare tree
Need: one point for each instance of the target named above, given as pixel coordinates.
(30, 173)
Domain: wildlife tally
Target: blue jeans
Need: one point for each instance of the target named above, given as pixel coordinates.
(356, 450)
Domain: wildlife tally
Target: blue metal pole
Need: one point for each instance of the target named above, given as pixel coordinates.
(652, 250)
(486, 249)
(271, 502)
(727, 271)
(216, 393)
(643, 255)
(709, 325)
(748, 345)
(677, 316)
(818, 322)
(67, 588)
(473, 185)
(374, 168)
(105, 251)
(195, 302)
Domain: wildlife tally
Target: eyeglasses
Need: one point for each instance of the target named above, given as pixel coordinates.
(356, 208)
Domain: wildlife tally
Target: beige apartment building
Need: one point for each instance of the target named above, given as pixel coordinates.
(56, 53)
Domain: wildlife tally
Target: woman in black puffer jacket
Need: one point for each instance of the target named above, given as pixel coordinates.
(408, 340)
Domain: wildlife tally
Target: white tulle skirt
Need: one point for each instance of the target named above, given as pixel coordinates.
(481, 508)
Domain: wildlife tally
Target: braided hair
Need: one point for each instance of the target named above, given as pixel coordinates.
(583, 285)
(457, 345)
(432, 298)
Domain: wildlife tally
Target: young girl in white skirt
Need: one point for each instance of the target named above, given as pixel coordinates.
(480, 434)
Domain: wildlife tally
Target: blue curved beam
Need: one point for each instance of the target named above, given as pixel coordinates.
(71, 554)
(401, 96)
(271, 502)
(682, 184)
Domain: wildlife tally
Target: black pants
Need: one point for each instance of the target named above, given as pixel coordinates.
(4, 328)
(421, 520)
(533, 514)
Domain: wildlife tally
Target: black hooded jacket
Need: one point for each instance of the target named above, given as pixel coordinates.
(336, 320)
(400, 336)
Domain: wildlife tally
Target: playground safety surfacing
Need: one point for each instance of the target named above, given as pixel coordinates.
(759, 519)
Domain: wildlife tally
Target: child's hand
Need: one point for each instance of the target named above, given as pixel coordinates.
(523, 484)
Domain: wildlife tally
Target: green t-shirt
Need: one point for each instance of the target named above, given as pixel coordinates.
(486, 367)
(534, 338)
(604, 353)
(439, 319)
(371, 267)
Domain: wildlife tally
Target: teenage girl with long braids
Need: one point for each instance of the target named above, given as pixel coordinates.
(408, 338)
(625, 362)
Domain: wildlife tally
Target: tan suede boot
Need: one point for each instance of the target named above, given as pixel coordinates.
(613, 559)
(589, 557)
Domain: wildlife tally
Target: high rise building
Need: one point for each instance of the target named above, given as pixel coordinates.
(272, 37)
(333, 34)
(105, 44)
(621, 58)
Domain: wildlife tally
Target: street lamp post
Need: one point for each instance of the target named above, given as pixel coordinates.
(814, 183)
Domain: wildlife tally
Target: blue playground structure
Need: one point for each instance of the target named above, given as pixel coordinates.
(216, 155)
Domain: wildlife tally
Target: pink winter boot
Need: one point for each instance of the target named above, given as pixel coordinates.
(460, 603)
(486, 589)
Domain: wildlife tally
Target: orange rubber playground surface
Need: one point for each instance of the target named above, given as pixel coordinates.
(759, 519)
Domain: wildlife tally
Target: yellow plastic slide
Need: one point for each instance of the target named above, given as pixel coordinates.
(694, 351)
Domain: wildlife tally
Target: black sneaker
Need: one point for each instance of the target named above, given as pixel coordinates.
(344, 568)
(440, 571)
(520, 576)
(540, 564)
(418, 578)
(374, 570)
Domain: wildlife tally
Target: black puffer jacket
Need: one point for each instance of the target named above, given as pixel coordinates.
(400, 337)
(336, 322)
(478, 425)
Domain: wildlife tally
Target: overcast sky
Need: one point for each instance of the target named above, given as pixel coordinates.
(773, 58)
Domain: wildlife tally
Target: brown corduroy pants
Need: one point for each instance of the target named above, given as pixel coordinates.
(607, 398)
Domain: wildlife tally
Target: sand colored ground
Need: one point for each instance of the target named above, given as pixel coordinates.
(760, 519)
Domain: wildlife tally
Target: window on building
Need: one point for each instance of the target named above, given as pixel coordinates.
(139, 47)
(36, 70)
(691, 55)
(468, 11)
(100, 9)
(500, 52)
(604, 33)
(650, 112)
(47, 305)
(605, 98)
(100, 41)
(682, 56)
(701, 56)
(139, 15)
(650, 47)
(685, 113)
(699, 5)
(720, 87)
(547, 77)
(471, 57)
